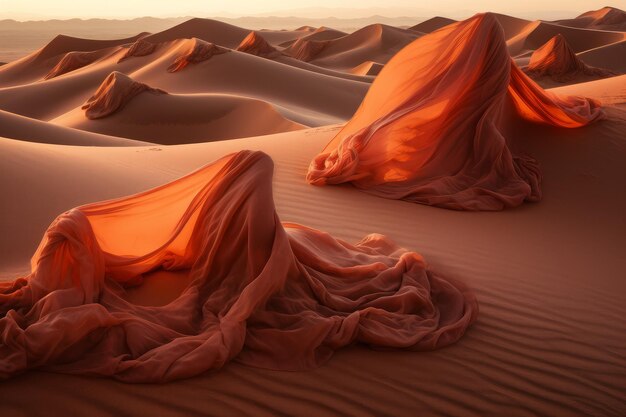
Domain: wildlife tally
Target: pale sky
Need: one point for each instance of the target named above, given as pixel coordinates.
(47, 9)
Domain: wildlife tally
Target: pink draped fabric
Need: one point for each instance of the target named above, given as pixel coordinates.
(430, 129)
(267, 294)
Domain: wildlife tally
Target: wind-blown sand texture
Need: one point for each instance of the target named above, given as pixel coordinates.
(550, 334)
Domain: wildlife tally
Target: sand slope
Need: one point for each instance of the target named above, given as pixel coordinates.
(31, 130)
(606, 18)
(173, 119)
(609, 56)
(372, 43)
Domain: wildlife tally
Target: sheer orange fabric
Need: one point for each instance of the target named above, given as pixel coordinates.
(430, 128)
(267, 294)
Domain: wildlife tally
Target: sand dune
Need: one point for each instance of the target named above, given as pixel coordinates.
(31, 130)
(367, 68)
(524, 35)
(609, 56)
(36, 65)
(335, 98)
(319, 34)
(606, 18)
(609, 91)
(372, 43)
(535, 34)
(172, 119)
(432, 24)
(306, 49)
(208, 30)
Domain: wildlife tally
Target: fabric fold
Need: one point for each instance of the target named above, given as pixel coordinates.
(431, 128)
(265, 293)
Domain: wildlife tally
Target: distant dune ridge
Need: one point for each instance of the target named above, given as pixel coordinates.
(114, 93)
(606, 18)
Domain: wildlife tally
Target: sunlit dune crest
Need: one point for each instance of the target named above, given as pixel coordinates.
(306, 50)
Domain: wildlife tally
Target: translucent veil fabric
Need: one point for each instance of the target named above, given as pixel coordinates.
(267, 294)
(430, 129)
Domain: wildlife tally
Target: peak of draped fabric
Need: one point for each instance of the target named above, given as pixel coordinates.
(265, 293)
(432, 127)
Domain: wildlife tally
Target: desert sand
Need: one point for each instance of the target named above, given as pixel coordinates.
(549, 337)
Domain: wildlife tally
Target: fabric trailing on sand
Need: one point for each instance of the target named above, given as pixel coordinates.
(113, 94)
(198, 52)
(72, 61)
(264, 293)
(255, 44)
(432, 127)
(557, 60)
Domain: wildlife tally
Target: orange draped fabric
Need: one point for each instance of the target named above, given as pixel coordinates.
(267, 294)
(430, 128)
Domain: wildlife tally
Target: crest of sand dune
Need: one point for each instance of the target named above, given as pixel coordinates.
(140, 47)
(557, 60)
(320, 34)
(114, 93)
(255, 44)
(198, 51)
(432, 24)
(273, 296)
(72, 61)
(209, 30)
(431, 128)
(376, 42)
(63, 44)
(606, 18)
(610, 56)
(172, 119)
(367, 68)
(305, 49)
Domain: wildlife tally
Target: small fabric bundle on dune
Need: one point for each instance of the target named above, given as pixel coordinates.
(431, 127)
(265, 293)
